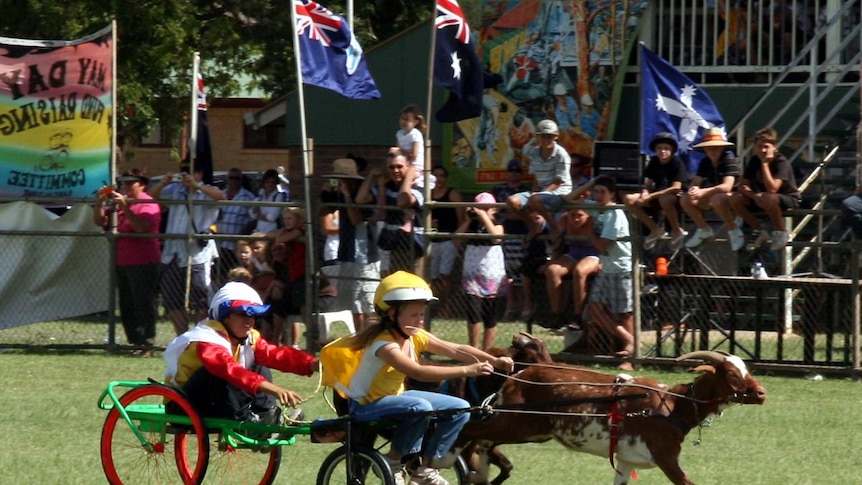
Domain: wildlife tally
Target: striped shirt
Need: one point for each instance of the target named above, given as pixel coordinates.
(546, 170)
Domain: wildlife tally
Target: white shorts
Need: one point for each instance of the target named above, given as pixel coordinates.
(356, 286)
(442, 261)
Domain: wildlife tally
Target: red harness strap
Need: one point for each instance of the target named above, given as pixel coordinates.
(615, 417)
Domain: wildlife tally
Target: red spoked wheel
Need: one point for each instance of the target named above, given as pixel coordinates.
(128, 460)
(235, 465)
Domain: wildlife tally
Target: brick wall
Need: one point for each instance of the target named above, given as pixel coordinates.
(226, 119)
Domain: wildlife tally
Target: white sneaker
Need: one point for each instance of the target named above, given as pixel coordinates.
(736, 238)
(397, 468)
(429, 477)
(760, 238)
(677, 240)
(700, 235)
(779, 240)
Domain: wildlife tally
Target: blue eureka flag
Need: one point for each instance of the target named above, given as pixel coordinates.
(675, 104)
(330, 55)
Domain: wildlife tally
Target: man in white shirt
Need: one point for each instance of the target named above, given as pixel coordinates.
(177, 254)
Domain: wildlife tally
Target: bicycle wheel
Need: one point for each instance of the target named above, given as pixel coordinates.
(369, 468)
(228, 464)
(126, 460)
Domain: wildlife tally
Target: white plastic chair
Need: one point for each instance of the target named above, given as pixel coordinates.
(326, 319)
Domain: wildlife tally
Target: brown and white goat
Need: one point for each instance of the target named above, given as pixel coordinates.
(583, 410)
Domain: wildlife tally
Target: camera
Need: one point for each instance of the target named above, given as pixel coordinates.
(334, 182)
(471, 212)
(177, 177)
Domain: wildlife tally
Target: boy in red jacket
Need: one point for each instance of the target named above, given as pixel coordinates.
(223, 364)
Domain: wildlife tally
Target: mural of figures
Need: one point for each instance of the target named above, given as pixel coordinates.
(557, 60)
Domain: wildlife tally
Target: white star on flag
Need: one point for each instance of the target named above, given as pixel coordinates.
(456, 66)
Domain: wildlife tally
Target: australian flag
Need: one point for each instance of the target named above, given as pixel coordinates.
(331, 57)
(456, 64)
(675, 104)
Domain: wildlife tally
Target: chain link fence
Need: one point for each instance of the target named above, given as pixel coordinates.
(708, 300)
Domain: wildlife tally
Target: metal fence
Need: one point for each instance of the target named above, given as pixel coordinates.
(802, 316)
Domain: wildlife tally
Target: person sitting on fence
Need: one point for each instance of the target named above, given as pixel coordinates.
(716, 175)
(768, 185)
(223, 364)
(551, 165)
(576, 256)
(665, 177)
(391, 353)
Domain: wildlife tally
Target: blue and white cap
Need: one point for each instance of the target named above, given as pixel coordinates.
(236, 297)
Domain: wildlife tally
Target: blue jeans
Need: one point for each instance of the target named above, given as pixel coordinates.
(408, 434)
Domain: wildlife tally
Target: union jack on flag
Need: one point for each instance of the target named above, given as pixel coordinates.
(449, 13)
(318, 20)
(330, 55)
(456, 64)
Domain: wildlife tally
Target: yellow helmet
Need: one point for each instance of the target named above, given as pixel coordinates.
(401, 286)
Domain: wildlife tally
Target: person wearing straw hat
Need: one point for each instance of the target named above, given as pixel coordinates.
(715, 177)
(358, 256)
(665, 177)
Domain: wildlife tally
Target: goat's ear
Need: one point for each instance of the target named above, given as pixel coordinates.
(703, 368)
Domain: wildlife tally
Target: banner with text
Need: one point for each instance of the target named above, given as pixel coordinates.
(55, 116)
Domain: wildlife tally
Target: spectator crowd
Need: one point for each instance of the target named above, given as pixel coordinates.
(552, 244)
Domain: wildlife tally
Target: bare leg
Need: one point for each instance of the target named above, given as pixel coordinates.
(473, 329)
(631, 202)
(488, 338)
(585, 268)
(179, 319)
(668, 204)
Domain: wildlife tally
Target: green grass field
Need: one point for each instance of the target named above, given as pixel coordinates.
(803, 435)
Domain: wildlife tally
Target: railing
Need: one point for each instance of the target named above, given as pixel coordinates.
(729, 37)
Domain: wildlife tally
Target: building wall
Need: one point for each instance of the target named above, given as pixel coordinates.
(226, 120)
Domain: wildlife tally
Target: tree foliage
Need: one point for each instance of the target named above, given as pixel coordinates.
(157, 38)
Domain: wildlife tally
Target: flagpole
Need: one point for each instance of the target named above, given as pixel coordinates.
(193, 139)
(307, 171)
(427, 147)
(193, 142)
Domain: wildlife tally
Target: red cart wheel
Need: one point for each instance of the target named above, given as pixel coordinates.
(228, 464)
(126, 460)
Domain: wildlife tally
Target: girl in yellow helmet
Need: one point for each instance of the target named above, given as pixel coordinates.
(392, 349)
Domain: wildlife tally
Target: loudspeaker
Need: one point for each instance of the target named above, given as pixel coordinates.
(621, 160)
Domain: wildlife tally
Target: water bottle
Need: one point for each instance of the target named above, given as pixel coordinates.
(661, 266)
(757, 271)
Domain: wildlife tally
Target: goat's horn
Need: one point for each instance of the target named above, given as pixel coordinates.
(521, 340)
(708, 355)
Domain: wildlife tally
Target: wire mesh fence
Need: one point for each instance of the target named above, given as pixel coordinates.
(708, 299)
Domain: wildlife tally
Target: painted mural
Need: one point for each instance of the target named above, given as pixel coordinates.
(557, 60)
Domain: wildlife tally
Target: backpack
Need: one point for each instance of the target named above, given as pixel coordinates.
(338, 362)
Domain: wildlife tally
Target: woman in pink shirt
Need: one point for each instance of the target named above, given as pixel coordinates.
(138, 259)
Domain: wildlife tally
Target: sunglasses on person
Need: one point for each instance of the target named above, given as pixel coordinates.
(515, 170)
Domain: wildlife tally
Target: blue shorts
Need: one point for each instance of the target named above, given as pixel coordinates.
(551, 202)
